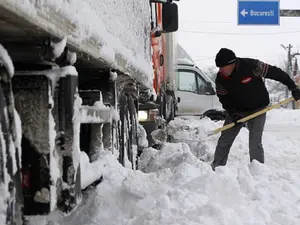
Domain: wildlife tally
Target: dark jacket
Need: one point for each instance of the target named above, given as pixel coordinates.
(244, 90)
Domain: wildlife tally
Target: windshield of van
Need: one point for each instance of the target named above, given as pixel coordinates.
(207, 78)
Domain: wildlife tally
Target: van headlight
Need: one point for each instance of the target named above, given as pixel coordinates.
(143, 115)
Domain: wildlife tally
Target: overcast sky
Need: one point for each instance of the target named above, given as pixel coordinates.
(207, 25)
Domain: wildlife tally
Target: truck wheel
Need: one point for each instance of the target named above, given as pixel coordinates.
(126, 132)
(133, 132)
(121, 126)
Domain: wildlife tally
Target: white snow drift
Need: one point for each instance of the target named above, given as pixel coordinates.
(178, 188)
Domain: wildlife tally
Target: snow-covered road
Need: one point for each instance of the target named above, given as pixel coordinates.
(285, 130)
(179, 189)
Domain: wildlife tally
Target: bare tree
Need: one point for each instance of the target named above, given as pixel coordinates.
(211, 71)
(277, 90)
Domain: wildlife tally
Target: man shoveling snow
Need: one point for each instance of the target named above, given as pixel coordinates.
(241, 90)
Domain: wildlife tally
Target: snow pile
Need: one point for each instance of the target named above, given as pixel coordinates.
(180, 189)
(189, 192)
(142, 136)
(90, 172)
(194, 132)
(171, 156)
(120, 29)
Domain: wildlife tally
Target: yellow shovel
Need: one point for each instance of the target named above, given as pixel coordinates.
(245, 119)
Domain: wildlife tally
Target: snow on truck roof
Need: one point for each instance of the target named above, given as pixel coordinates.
(114, 33)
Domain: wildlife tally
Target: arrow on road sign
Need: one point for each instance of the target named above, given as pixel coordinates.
(244, 12)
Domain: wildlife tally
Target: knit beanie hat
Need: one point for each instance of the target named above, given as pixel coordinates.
(225, 57)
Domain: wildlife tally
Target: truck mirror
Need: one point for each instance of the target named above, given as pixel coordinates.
(209, 89)
(170, 17)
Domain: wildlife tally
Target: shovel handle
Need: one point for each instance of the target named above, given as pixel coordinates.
(245, 119)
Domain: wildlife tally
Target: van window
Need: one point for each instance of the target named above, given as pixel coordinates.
(202, 87)
(187, 81)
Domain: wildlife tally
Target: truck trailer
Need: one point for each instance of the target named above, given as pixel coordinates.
(77, 77)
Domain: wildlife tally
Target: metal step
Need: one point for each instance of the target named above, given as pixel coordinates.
(92, 114)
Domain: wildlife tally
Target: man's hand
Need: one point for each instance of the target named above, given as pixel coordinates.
(296, 94)
(235, 117)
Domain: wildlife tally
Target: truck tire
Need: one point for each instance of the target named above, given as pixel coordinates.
(133, 132)
(127, 131)
(121, 129)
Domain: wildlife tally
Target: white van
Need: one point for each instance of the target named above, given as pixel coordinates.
(196, 93)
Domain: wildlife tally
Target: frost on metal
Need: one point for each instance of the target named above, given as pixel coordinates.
(76, 129)
(142, 136)
(55, 162)
(113, 75)
(72, 57)
(58, 48)
(6, 61)
(18, 140)
(55, 74)
(116, 32)
(98, 113)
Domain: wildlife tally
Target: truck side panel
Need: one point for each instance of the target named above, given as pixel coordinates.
(109, 40)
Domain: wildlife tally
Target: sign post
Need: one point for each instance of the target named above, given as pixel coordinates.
(258, 12)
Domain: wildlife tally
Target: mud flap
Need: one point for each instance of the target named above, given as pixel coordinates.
(32, 103)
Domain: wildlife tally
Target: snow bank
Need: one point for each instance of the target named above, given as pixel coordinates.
(180, 189)
(172, 155)
(117, 32)
(183, 190)
(90, 172)
(189, 192)
(193, 132)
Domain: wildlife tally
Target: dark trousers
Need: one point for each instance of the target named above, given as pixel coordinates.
(255, 127)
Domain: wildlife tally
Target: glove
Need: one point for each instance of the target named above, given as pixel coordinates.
(235, 117)
(296, 94)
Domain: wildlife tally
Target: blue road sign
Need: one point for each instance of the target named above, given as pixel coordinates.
(256, 12)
